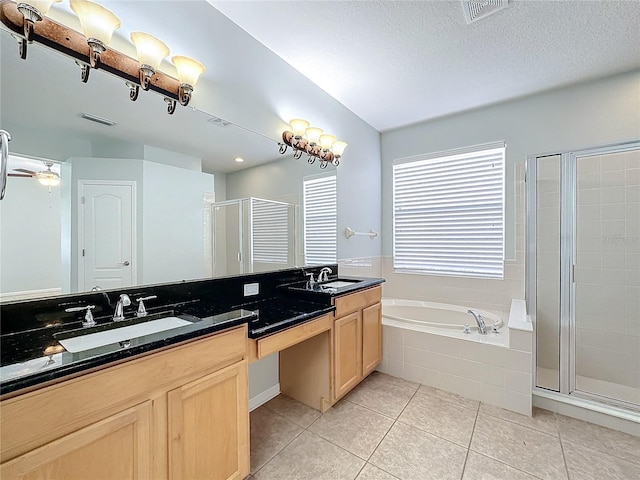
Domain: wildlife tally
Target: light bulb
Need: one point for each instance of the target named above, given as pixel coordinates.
(298, 126)
(313, 134)
(42, 6)
(188, 69)
(338, 148)
(150, 50)
(97, 22)
(326, 141)
(49, 179)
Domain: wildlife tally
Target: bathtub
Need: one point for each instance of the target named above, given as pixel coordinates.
(425, 342)
(442, 319)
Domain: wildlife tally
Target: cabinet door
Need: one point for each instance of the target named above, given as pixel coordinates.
(116, 447)
(371, 338)
(348, 353)
(209, 426)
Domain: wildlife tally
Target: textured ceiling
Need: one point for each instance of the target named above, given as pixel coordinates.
(394, 63)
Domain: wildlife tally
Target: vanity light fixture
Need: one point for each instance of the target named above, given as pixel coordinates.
(32, 11)
(189, 70)
(98, 25)
(312, 141)
(27, 22)
(151, 52)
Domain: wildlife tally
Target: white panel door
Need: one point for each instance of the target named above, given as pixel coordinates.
(107, 231)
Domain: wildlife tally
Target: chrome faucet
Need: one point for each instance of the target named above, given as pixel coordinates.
(124, 301)
(482, 328)
(323, 274)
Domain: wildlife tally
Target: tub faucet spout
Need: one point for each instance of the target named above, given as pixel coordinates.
(482, 328)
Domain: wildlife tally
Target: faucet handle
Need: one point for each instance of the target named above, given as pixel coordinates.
(142, 311)
(311, 281)
(88, 317)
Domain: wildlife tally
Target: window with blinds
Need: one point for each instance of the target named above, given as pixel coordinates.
(270, 227)
(320, 220)
(449, 213)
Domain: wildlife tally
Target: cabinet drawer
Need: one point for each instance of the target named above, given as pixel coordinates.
(357, 301)
(281, 340)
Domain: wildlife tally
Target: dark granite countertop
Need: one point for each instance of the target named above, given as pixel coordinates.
(34, 356)
(319, 291)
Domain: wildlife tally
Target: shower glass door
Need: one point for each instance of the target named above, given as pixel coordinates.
(606, 268)
(547, 267)
(583, 272)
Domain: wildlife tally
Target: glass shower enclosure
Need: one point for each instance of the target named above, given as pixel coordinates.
(583, 278)
(252, 235)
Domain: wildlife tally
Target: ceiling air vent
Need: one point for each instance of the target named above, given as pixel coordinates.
(218, 122)
(477, 9)
(97, 119)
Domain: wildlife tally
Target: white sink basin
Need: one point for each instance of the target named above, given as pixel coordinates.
(100, 339)
(338, 284)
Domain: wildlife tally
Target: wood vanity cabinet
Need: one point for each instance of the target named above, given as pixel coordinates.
(357, 338)
(115, 447)
(179, 413)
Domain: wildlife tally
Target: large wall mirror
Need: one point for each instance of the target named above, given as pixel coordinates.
(150, 178)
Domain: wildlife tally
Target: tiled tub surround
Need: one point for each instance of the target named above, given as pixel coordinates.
(29, 328)
(496, 369)
(388, 428)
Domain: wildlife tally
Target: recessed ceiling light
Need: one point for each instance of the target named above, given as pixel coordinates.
(239, 159)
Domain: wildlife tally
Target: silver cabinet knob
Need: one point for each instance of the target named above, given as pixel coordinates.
(125, 263)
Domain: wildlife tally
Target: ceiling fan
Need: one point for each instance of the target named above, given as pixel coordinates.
(46, 177)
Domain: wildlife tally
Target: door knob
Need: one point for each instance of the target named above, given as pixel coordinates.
(125, 263)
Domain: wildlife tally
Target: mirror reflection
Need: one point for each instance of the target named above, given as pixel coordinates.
(135, 202)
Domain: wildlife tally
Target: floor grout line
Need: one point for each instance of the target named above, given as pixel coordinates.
(466, 457)
(395, 421)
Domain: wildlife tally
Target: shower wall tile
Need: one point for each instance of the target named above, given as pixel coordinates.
(360, 267)
(613, 161)
(632, 193)
(608, 305)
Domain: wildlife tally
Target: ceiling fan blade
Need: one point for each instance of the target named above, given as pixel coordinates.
(19, 175)
(30, 172)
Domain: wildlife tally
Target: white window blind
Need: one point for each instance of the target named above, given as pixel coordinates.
(270, 227)
(320, 220)
(448, 214)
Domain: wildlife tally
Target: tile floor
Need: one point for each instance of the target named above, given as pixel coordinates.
(388, 428)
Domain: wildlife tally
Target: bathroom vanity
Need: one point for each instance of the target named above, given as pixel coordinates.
(173, 403)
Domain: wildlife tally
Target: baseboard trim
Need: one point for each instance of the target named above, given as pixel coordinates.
(264, 397)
